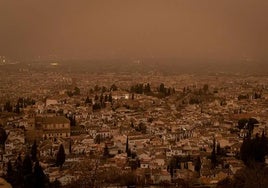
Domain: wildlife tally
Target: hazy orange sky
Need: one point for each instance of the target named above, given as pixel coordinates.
(134, 28)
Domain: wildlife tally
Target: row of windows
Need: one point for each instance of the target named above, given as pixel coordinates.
(56, 126)
(57, 135)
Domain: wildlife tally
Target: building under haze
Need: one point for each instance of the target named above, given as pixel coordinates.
(42, 128)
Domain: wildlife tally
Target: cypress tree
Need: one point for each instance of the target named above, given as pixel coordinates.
(218, 149)
(245, 150)
(110, 98)
(198, 165)
(70, 146)
(213, 155)
(34, 151)
(40, 179)
(127, 145)
(60, 156)
(264, 144)
(18, 171)
(27, 171)
(3, 138)
(27, 165)
(129, 152)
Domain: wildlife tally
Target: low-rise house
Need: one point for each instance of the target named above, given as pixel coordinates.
(159, 162)
(144, 163)
(138, 140)
(160, 176)
(104, 133)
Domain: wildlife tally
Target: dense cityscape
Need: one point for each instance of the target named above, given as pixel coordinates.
(133, 94)
(125, 129)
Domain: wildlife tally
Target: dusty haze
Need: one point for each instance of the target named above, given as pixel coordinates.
(226, 29)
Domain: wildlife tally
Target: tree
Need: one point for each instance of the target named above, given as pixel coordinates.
(34, 151)
(264, 144)
(172, 165)
(129, 179)
(113, 87)
(141, 128)
(69, 93)
(213, 155)
(147, 88)
(257, 95)
(219, 152)
(251, 124)
(60, 157)
(225, 183)
(91, 173)
(27, 165)
(18, 172)
(20, 102)
(242, 123)
(96, 106)
(10, 173)
(97, 88)
(88, 101)
(134, 162)
(72, 120)
(76, 91)
(106, 98)
(17, 109)
(179, 182)
(106, 153)
(162, 88)
(110, 98)
(132, 124)
(101, 98)
(254, 150)
(129, 152)
(27, 171)
(103, 89)
(254, 176)
(127, 145)
(3, 138)
(198, 165)
(40, 179)
(245, 150)
(97, 139)
(205, 88)
(96, 98)
(70, 146)
(55, 184)
(8, 107)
